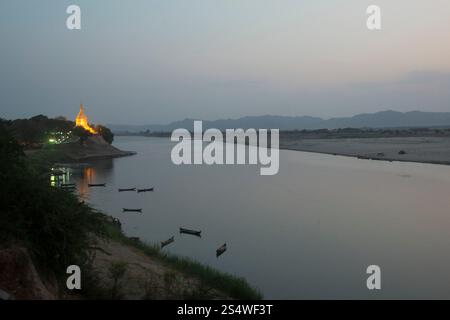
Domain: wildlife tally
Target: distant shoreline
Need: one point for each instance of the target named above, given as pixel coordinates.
(425, 149)
(432, 150)
(368, 158)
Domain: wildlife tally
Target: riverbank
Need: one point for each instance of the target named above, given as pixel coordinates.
(422, 145)
(434, 150)
(119, 268)
(94, 148)
(149, 273)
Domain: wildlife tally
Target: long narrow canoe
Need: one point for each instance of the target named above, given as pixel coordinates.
(221, 250)
(145, 190)
(167, 242)
(67, 187)
(96, 184)
(192, 232)
(126, 189)
(131, 210)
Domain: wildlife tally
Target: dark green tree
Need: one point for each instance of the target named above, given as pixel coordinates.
(81, 133)
(105, 133)
(51, 223)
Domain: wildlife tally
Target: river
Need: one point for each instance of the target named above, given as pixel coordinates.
(308, 232)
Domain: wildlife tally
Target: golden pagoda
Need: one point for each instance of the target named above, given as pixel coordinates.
(82, 121)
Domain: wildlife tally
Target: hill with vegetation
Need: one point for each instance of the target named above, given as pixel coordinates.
(41, 130)
(59, 139)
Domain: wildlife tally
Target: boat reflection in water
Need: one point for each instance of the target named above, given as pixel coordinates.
(81, 175)
(87, 175)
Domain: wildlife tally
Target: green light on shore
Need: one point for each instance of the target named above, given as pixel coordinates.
(51, 140)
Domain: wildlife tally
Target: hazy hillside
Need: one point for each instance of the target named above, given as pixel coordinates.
(372, 120)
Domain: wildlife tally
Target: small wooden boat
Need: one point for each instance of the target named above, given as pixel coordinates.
(145, 190)
(221, 250)
(167, 242)
(192, 232)
(67, 187)
(96, 184)
(131, 210)
(127, 189)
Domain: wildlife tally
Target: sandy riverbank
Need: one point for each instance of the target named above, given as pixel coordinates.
(147, 277)
(417, 149)
(93, 148)
(143, 277)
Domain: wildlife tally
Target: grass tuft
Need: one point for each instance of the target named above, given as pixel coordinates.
(233, 286)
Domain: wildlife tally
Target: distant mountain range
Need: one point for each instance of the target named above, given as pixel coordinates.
(382, 119)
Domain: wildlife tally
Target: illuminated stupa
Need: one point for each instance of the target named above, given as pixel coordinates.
(82, 121)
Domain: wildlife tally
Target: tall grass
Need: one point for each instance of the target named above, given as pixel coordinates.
(230, 285)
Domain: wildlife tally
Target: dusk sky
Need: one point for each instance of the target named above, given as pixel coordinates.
(145, 62)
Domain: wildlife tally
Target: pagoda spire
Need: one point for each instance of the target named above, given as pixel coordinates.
(82, 121)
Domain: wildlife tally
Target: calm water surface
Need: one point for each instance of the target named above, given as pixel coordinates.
(308, 232)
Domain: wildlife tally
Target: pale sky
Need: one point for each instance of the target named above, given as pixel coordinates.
(156, 61)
